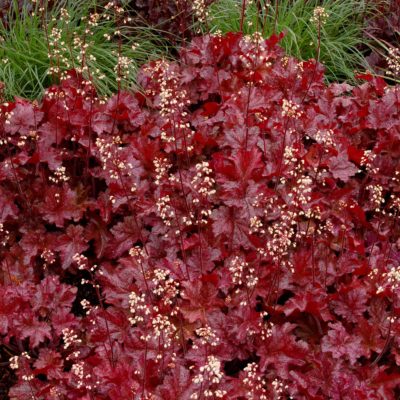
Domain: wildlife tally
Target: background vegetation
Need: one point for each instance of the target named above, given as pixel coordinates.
(350, 39)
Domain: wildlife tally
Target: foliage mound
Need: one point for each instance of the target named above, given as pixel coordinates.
(230, 233)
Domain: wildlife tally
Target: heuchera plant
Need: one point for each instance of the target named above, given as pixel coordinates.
(231, 232)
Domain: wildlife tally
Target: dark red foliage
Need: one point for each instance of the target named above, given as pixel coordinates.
(230, 232)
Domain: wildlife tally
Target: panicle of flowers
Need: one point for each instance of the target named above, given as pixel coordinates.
(217, 33)
(281, 236)
(392, 279)
(111, 5)
(110, 155)
(393, 61)
(138, 308)
(290, 155)
(22, 141)
(396, 177)
(70, 338)
(395, 205)
(251, 278)
(168, 138)
(57, 48)
(123, 67)
(93, 21)
(81, 261)
(59, 175)
(204, 214)
(314, 213)
(14, 362)
(202, 182)
(367, 160)
(86, 306)
(65, 15)
(27, 377)
(105, 149)
(265, 326)
(325, 137)
(163, 327)
(18, 363)
(165, 209)
(173, 99)
(320, 16)
(207, 336)
(242, 273)
(8, 115)
(281, 233)
(165, 287)
(256, 225)
(257, 39)
(155, 71)
(78, 370)
(254, 382)
(188, 219)
(376, 198)
(257, 200)
(200, 10)
(161, 166)
(236, 268)
(48, 256)
(4, 235)
(138, 253)
(255, 52)
(210, 376)
(301, 191)
(5, 140)
(290, 109)
(285, 61)
(279, 387)
(81, 47)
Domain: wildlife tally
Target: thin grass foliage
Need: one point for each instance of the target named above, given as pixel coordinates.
(27, 56)
(342, 38)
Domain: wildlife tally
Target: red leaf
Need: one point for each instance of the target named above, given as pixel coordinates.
(36, 331)
(49, 363)
(200, 297)
(73, 242)
(341, 167)
(314, 302)
(210, 108)
(24, 118)
(52, 295)
(230, 227)
(61, 204)
(339, 343)
(355, 154)
(282, 350)
(125, 235)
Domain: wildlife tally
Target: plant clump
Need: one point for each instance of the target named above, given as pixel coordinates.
(230, 232)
